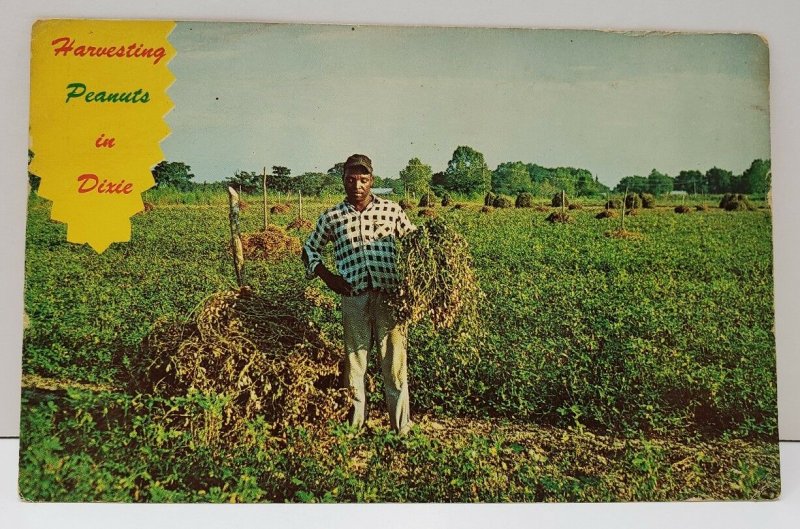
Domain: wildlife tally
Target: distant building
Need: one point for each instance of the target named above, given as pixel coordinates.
(382, 190)
(678, 192)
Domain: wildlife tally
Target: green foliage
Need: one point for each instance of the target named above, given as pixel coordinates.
(308, 183)
(587, 186)
(446, 200)
(488, 200)
(395, 184)
(659, 183)
(332, 182)
(691, 181)
(633, 184)
(280, 179)
(203, 193)
(467, 172)
(757, 179)
(112, 447)
(718, 180)
(416, 177)
(668, 337)
(511, 178)
(245, 182)
(176, 175)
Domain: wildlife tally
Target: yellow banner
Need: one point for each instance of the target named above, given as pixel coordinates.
(98, 101)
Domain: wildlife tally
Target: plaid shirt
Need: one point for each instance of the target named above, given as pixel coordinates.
(363, 243)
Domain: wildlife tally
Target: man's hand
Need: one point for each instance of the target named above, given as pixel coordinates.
(339, 285)
(334, 282)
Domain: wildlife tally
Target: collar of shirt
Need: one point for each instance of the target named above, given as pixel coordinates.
(372, 203)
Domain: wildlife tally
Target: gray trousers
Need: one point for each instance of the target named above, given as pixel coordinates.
(368, 321)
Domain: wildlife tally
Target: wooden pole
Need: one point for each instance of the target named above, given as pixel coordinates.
(236, 241)
(300, 195)
(264, 188)
(562, 202)
(624, 200)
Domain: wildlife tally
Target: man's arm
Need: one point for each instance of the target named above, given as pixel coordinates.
(334, 282)
(403, 225)
(312, 258)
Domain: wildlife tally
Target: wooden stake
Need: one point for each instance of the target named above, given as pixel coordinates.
(236, 240)
(624, 201)
(264, 189)
(300, 195)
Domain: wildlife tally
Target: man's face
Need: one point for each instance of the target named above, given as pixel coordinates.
(357, 184)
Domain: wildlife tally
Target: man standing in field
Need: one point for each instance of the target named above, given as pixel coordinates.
(363, 229)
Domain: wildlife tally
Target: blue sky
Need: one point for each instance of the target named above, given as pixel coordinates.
(306, 96)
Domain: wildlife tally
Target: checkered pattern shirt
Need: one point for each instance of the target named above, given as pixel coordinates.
(363, 243)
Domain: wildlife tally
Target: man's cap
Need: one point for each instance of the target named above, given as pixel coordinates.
(358, 160)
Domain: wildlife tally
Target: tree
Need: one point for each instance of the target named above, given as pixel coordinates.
(331, 186)
(538, 173)
(659, 183)
(757, 178)
(511, 178)
(439, 183)
(691, 182)
(280, 179)
(634, 184)
(563, 178)
(467, 172)
(584, 183)
(395, 184)
(416, 177)
(246, 181)
(308, 183)
(545, 188)
(719, 180)
(173, 174)
(337, 170)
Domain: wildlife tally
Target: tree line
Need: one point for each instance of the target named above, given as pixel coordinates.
(178, 175)
(756, 179)
(468, 174)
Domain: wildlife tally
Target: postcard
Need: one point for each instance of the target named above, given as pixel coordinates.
(329, 263)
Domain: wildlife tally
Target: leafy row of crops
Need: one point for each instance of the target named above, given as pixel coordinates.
(666, 336)
(116, 447)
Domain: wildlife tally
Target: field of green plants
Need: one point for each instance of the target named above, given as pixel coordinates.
(610, 369)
